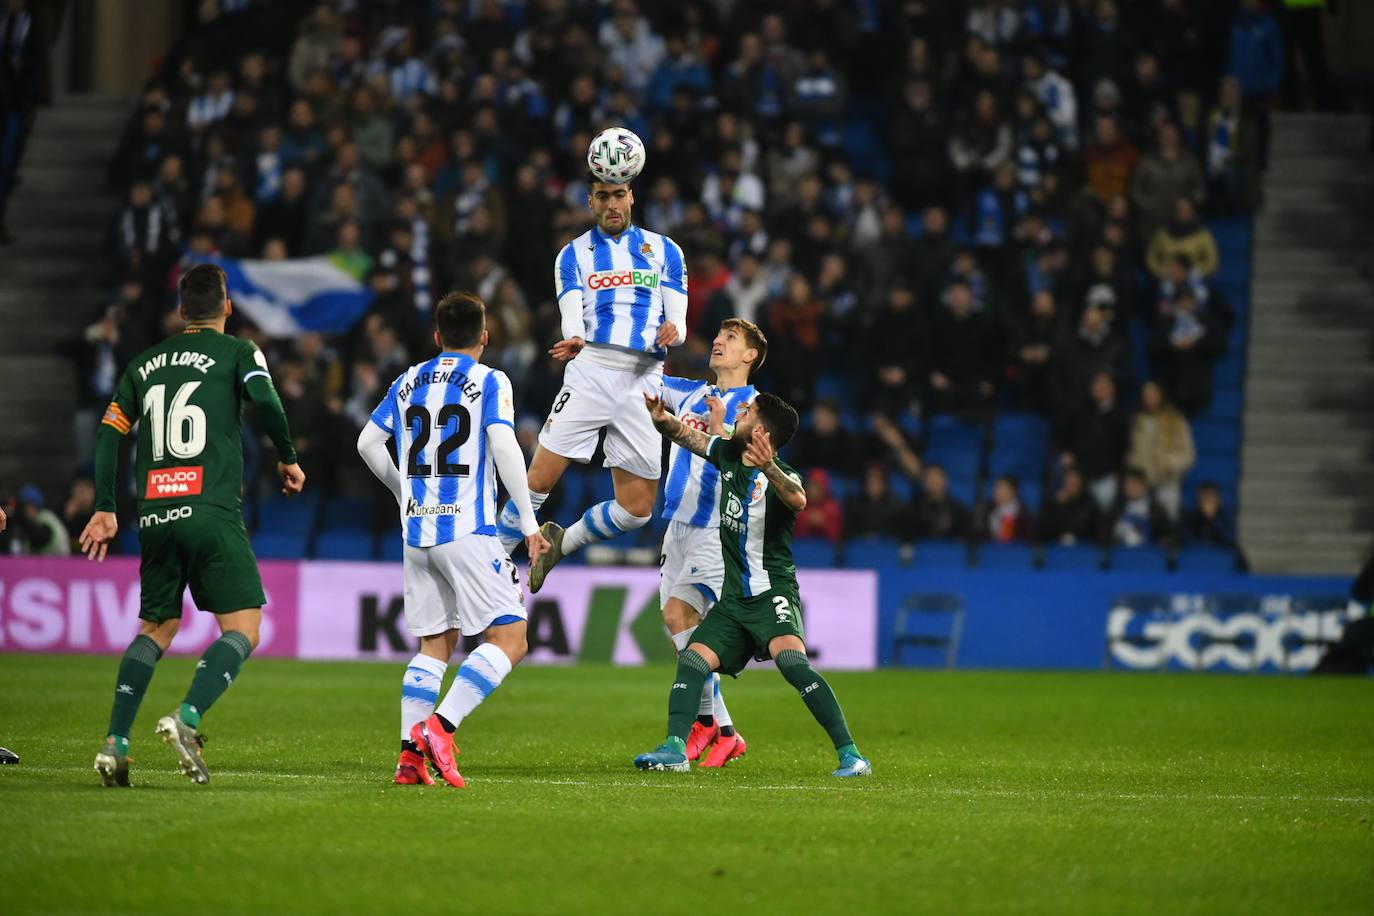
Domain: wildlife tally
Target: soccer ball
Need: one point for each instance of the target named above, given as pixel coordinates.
(616, 155)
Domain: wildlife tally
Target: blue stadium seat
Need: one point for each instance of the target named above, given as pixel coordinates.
(391, 547)
(1233, 235)
(1223, 469)
(1147, 558)
(900, 486)
(879, 554)
(1020, 430)
(1217, 435)
(1072, 558)
(1229, 373)
(947, 430)
(958, 463)
(1006, 556)
(600, 488)
(1205, 559)
(344, 544)
(279, 545)
(343, 512)
(964, 489)
(280, 515)
(832, 385)
(1226, 404)
(1024, 461)
(1031, 495)
(941, 555)
(813, 552)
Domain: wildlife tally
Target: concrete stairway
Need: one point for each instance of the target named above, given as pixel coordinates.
(1307, 491)
(50, 282)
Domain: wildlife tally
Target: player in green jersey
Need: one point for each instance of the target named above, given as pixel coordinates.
(187, 395)
(758, 615)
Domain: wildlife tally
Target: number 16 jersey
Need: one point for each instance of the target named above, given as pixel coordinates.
(187, 395)
(438, 412)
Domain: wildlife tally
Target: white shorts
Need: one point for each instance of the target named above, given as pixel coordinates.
(463, 585)
(692, 566)
(596, 397)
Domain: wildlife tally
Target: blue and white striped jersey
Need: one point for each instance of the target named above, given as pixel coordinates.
(622, 285)
(438, 411)
(690, 494)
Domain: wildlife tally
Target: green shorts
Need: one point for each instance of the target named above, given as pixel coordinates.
(738, 629)
(205, 547)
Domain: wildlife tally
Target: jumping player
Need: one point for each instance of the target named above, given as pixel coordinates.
(622, 292)
(451, 418)
(758, 615)
(187, 395)
(692, 569)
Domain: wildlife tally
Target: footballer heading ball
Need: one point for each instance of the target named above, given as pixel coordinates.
(616, 155)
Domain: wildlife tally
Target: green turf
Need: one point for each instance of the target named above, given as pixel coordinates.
(993, 792)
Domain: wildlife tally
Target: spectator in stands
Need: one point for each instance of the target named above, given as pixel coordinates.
(1165, 175)
(77, 510)
(919, 147)
(937, 514)
(315, 46)
(1056, 95)
(1208, 522)
(1256, 59)
(825, 443)
(1096, 441)
(982, 141)
(1185, 234)
(37, 531)
(1183, 346)
(894, 353)
(1033, 337)
(1081, 352)
(960, 345)
(1231, 136)
(874, 512)
(1179, 274)
(1006, 519)
(1137, 518)
(1109, 160)
(794, 338)
(1070, 516)
(631, 45)
(822, 517)
(98, 356)
(25, 84)
(1161, 447)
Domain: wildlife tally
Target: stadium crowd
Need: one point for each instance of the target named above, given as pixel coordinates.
(941, 213)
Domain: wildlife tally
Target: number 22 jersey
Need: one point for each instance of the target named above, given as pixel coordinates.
(438, 412)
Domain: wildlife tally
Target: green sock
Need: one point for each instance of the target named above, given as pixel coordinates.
(135, 674)
(816, 693)
(685, 697)
(215, 671)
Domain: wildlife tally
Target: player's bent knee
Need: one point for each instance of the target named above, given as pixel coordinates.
(678, 615)
(784, 643)
(248, 622)
(707, 653)
(161, 632)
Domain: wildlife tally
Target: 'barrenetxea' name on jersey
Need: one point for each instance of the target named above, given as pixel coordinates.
(689, 491)
(438, 411)
(626, 287)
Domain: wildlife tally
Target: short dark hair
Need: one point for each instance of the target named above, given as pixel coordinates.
(593, 181)
(460, 318)
(778, 417)
(203, 290)
(753, 338)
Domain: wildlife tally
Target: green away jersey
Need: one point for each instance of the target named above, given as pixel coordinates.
(187, 395)
(755, 525)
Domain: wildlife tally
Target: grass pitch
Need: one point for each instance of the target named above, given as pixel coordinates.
(993, 792)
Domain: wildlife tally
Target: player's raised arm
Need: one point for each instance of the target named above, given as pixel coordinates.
(271, 417)
(759, 452)
(673, 331)
(673, 429)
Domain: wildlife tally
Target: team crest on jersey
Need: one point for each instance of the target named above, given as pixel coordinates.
(169, 482)
(758, 490)
(646, 249)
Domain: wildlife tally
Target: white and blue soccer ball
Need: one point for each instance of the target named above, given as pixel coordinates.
(616, 155)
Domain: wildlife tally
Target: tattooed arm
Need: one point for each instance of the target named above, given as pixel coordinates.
(674, 430)
(759, 452)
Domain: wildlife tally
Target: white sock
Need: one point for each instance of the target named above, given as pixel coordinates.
(480, 674)
(682, 640)
(420, 691)
(601, 523)
(721, 713)
(508, 525)
(707, 706)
